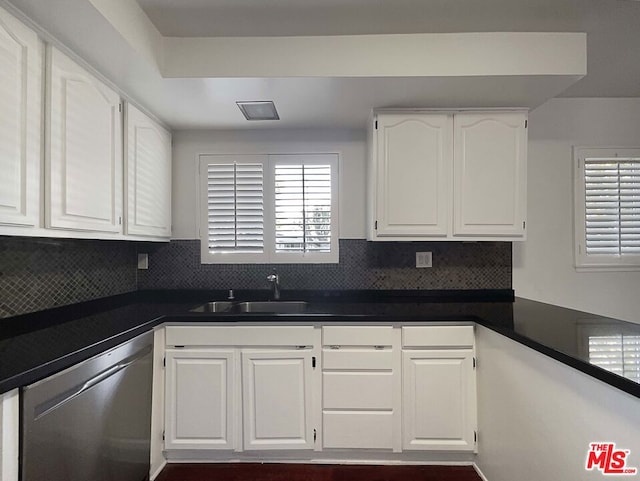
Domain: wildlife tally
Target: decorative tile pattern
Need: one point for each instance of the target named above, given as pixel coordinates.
(363, 265)
(37, 273)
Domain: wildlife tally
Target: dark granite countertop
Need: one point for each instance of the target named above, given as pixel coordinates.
(34, 346)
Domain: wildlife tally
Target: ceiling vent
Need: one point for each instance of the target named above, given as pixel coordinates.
(261, 110)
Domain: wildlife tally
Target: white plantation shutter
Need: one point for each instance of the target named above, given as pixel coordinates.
(618, 353)
(612, 201)
(302, 208)
(235, 206)
(269, 208)
(608, 207)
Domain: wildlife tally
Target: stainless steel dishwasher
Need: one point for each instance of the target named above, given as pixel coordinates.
(92, 421)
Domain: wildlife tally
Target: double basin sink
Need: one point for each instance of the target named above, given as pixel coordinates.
(272, 307)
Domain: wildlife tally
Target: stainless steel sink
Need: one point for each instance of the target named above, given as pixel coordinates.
(276, 307)
(217, 306)
(273, 307)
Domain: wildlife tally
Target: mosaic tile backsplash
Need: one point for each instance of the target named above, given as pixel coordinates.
(363, 265)
(37, 273)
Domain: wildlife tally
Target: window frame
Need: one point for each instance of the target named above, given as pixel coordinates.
(269, 255)
(602, 262)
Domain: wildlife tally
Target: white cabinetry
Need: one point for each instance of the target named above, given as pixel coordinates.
(276, 395)
(20, 123)
(199, 398)
(9, 435)
(447, 175)
(361, 388)
(413, 165)
(439, 388)
(489, 174)
(239, 388)
(147, 176)
(83, 149)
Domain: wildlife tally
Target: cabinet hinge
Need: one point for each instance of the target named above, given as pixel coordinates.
(120, 107)
(164, 362)
(475, 437)
(524, 224)
(474, 362)
(376, 225)
(163, 435)
(315, 435)
(313, 362)
(376, 125)
(526, 124)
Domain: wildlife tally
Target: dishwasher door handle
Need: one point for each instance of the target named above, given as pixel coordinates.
(46, 407)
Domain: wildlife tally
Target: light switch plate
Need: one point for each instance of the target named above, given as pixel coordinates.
(424, 259)
(143, 261)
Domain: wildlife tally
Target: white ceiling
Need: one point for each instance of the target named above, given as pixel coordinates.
(319, 102)
(612, 26)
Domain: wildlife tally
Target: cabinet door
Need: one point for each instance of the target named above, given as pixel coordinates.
(199, 399)
(412, 186)
(439, 393)
(84, 150)
(276, 397)
(490, 174)
(20, 122)
(147, 176)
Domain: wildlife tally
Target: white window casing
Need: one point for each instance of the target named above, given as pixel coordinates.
(269, 208)
(607, 208)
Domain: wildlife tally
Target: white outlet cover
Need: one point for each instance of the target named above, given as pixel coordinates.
(424, 259)
(143, 261)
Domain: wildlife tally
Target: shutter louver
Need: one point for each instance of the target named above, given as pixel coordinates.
(612, 206)
(303, 208)
(619, 354)
(235, 207)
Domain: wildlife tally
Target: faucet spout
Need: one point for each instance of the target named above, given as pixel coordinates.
(274, 279)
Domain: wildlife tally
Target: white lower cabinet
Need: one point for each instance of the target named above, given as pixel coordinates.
(199, 399)
(239, 388)
(386, 389)
(361, 388)
(9, 434)
(276, 396)
(439, 389)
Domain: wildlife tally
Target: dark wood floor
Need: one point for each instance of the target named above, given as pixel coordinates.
(314, 472)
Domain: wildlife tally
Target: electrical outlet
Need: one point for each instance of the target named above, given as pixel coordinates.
(143, 261)
(424, 259)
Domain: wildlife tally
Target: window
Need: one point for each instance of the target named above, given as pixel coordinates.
(607, 208)
(269, 208)
(616, 353)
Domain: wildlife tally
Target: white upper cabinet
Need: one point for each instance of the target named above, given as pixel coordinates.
(489, 174)
(413, 153)
(83, 153)
(447, 175)
(20, 123)
(147, 176)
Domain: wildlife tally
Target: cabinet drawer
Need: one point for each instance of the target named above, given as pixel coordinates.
(357, 359)
(357, 336)
(239, 336)
(368, 430)
(357, 390)
(437, 336)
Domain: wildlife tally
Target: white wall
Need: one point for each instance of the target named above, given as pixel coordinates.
(543, 265)
(188, 145)
(537, 416)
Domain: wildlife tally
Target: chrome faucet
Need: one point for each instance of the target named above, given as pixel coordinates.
(274, 278)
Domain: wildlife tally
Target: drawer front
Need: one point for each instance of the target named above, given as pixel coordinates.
(353, 359)
(357, 336)
(357, 390)
(365, 430)
(438, 336)
(239, 336)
